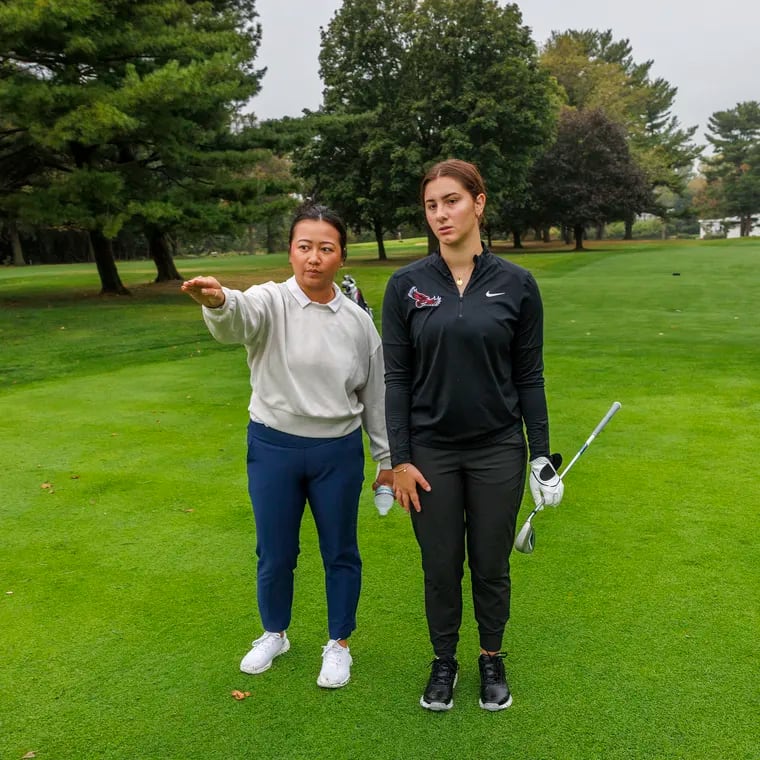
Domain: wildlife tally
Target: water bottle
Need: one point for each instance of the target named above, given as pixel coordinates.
(384, 499)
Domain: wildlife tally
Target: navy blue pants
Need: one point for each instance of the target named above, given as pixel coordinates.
(284, 472)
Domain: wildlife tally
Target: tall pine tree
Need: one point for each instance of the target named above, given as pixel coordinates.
(129, 107)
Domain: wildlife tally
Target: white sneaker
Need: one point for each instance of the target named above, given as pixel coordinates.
(263, 651)
(336, 666)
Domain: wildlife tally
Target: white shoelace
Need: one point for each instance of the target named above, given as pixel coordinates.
(333, 653)
(265, 639)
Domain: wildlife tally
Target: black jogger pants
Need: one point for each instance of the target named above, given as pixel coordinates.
(473, 505)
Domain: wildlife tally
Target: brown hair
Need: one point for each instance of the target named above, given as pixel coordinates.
(466, 173)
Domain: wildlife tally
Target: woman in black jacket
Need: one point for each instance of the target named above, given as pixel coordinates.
(463, 348)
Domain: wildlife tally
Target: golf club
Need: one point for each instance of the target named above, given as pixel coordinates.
(526, 538)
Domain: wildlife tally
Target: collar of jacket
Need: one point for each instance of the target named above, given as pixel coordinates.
(480, 260)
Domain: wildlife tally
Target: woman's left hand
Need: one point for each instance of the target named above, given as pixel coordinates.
(407, 478)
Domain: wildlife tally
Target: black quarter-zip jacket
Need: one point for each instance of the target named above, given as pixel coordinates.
(463, 371)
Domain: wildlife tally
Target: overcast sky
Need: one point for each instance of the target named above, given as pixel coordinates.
(708, 50)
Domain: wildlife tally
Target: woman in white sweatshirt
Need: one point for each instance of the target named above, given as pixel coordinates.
(316, 367)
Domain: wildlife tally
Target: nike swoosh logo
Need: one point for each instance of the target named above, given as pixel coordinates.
(489, 294)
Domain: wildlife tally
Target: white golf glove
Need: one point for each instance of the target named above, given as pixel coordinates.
(545, 485)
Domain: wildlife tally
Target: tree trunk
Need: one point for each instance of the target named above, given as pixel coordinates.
(271, 236)
(489, 237)
(18, 251)
(109, 276)
(567, 234)
(578, 232)
(516, 238)
(600, 231)
(251, 239)
(628, 227)
(378, 228)
(547, 237)
(162, 258)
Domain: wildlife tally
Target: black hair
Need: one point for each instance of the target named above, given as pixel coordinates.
(318, 213)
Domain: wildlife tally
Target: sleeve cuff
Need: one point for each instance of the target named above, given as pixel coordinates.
(383, 464)
(215, 311)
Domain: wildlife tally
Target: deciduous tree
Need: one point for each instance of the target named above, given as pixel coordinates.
(598, 72)
(409, 83)
(474, 90)
(588, 176)
(349, 160)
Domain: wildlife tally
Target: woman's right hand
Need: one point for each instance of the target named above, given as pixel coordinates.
(406, 478)
(207, 291)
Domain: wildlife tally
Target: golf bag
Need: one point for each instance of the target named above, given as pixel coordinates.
(351, 289)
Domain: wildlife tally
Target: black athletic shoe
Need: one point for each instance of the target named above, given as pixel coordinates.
(439, 694)
(494, 689)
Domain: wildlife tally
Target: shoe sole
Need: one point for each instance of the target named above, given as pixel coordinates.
(256, 671)
(494, 706)
(436, 706)
(440, 706)
(328, 685)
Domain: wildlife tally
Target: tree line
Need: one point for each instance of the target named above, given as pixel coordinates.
(123, 126)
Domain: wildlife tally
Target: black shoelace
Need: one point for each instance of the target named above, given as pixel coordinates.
(444, 671)
(492, 668)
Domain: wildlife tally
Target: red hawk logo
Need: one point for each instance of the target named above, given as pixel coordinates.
(421, 300)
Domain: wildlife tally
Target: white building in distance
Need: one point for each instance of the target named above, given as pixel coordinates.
(728, 227)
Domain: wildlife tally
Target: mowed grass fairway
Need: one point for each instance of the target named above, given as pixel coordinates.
(127, 593)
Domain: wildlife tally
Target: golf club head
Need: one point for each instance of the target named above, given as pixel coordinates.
(526, 539)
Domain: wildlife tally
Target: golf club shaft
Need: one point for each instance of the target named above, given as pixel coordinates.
(598, 429)
(525, 543)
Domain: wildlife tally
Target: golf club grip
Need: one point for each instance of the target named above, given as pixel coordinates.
(607, 417)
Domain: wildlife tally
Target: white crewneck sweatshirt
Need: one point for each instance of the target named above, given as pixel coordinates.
(316, 369)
